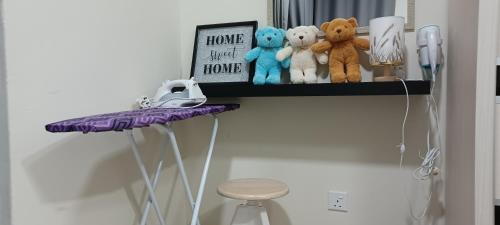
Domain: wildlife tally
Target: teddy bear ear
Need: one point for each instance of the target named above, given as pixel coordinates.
(324, 26)
(353, 21)
(314, 29)
(257, 33)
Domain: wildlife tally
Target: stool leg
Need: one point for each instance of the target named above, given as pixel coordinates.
(145, 176)
(250, 214)
(263, 215)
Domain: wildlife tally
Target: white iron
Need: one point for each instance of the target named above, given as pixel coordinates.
(190, 97)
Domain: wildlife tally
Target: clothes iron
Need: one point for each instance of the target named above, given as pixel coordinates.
(166, 97)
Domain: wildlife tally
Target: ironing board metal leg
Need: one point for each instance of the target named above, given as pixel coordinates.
(180, 165)
(156, 178)
(145, 176)
(201, 188)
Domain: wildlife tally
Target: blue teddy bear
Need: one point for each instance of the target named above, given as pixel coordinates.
(269, 42)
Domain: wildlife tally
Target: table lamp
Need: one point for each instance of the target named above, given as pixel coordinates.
(387, 44)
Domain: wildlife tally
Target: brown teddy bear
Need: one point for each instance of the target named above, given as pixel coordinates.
(341, 42)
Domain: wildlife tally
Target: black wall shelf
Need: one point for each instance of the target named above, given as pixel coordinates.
(348, 89)
(498, 80)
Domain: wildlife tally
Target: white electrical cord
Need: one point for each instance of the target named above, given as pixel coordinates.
(428, 166)
(427, 169)
(402, 146)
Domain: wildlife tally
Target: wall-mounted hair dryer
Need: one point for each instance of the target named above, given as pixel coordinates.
(429, 43)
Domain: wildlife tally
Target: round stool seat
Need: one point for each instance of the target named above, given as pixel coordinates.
(253, 189)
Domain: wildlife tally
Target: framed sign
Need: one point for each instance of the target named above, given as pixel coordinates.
(219, 52)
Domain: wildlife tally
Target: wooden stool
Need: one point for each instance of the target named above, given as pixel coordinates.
(253, 191)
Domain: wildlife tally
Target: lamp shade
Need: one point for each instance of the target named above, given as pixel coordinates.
(387, 40)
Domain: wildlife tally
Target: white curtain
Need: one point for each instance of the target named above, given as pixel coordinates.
(292, 13)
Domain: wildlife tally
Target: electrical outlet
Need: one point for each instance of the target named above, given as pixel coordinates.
(338, 201)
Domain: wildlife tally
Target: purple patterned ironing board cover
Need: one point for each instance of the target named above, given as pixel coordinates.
(120, 121)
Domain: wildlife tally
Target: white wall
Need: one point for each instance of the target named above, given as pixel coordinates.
(314, 144)
(461, 111)
(484, 138)
(69, 58)
(4, 136)
(498, 42)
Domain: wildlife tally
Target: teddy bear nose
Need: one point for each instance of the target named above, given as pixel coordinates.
(338, 30)
(301, 37)
(269, 38)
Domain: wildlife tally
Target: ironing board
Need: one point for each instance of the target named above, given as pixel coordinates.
(128, 120)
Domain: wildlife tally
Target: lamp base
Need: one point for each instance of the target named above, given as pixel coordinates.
(385, 78)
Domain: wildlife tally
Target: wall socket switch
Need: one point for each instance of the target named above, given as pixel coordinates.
(338, 201)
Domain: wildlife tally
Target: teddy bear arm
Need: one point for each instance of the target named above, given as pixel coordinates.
(285, 64)
(322, 58)
(253, 54)
(362, 44)
(284, 53)
(321, 47)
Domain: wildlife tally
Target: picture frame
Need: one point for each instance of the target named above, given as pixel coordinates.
(219, 53)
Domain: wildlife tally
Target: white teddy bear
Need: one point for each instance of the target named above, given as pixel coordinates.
(303, 65)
